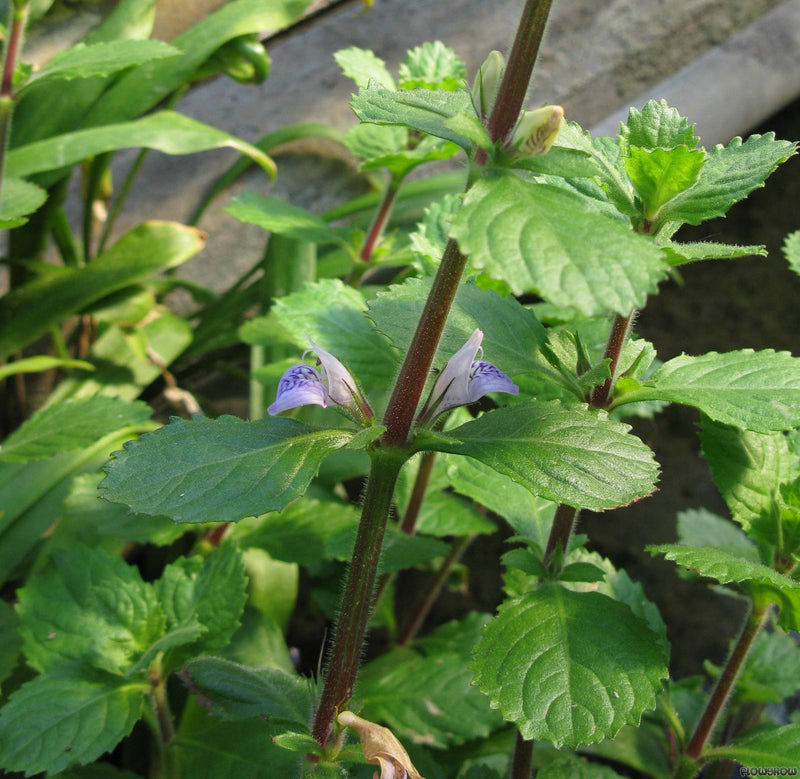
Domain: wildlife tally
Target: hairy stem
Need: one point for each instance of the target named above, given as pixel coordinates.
(522, 758)
(727, 679)
(358, 591)
(387, 458)
(410, 631)
(417, 364)
(616, 340)
(514, 86)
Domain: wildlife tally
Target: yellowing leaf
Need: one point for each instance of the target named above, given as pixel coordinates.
(381, 746)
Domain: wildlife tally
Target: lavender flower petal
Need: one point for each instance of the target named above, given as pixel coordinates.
(485, 378)
(452, 386)
(299, 386)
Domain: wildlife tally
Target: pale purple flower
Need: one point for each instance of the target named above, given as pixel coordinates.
(304, 385)
(465, 380)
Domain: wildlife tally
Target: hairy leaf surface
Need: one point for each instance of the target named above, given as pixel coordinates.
(219, 470)
(767, 747)
(421, 109)
(570, 668)
(91, 608)
(747, 467)
(67, 716)
(539, 238)
(236, 692)
(757, 391)
(144, 251)
(566, 454)
(69, 425)
(730, 174)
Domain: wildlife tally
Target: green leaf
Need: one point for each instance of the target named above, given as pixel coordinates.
(399, 550)
(699, 527)
(566, 454)
(58, 106)
(376, 141)
(99, 770)
(767, 747)
(760, 580)
(540, 238)
(757, 391)
(730, 173)
(302, 533)
(443, 514)
(656, 126)
(149, 84)
(69, 425)
(570, 668)
(100, 59)
(67, 716)
(236, 692)
(213, 594)
(91, 608)
(772, 670)
(681, 253)
(428, 241)
(12, 642)
(279, 216)
(529, 515)
(299, 742)
(606, 153)
(122, 367)
(165, 131)
(212, 748)
(332, 315)
(560, 161)
(658, 175)
(34, 492)
(42, 362)
(428, 698)
(147, 249)
(20, 198)
(219, 470)
(747, 467)
(432, 66)
(386, 146)
(791, 250)
(575, 767)
(468, 125)
(421, 109)
(363, 66)
(511, 332)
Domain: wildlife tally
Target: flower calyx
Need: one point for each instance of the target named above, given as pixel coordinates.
(465, 380)
(304, 385)
(487, 84)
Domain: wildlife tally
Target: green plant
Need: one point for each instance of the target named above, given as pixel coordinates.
(576, 656)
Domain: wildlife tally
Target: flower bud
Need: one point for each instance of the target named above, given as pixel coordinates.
(487, 83)
(537, 131)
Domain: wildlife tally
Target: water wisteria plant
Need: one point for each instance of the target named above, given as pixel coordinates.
(419, 387)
